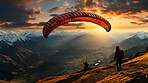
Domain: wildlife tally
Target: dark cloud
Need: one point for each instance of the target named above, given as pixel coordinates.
(114, 7)
(137, 23)
(140, 20)
(53, 14)
(133, 17)
(71, 9)
(81, 4)
(14, 13)
(89, 3)
(54, 9)
(145, 20)
(126, 7)
(40, 23)
(17, 3)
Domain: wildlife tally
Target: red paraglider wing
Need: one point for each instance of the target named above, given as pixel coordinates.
(72, 17)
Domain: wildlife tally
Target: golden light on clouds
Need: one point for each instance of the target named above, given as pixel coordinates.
(38, 1)
(135, 1)
(128, 14)
(66, 3)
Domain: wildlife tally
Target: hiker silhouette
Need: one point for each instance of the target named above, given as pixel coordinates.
(119, 55)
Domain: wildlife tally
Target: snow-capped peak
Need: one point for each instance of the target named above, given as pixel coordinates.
(10, 37)
(141, 35)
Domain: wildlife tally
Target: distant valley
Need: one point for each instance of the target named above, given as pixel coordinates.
(30, 56)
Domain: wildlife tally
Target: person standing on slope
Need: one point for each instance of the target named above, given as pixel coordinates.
(119, 55)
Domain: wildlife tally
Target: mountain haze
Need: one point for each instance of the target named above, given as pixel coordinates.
(31, 57)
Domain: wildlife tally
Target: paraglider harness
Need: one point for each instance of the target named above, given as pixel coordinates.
(85, 64)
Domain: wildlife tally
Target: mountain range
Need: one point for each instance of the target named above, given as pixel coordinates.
(139, 38)
(30, 56)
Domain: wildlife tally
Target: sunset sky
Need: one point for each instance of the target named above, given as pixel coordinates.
(33, 14)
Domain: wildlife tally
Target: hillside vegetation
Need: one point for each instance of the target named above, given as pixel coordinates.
(134, 70)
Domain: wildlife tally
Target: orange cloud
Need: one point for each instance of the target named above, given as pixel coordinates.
(66, 3)
(37, 19)
(54, 9)
(38, 2)
(38, 10)
(133, 18)
(2, 24)
(135, 1)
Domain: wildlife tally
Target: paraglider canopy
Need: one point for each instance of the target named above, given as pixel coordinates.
(72, 17)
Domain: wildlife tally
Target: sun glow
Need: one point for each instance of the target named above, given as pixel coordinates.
(101, 29)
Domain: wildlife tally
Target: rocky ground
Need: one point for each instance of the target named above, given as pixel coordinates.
(134, 70)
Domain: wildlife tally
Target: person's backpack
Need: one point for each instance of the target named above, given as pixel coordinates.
(121, 54)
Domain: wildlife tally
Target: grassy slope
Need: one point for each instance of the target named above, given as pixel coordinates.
(135, 70)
